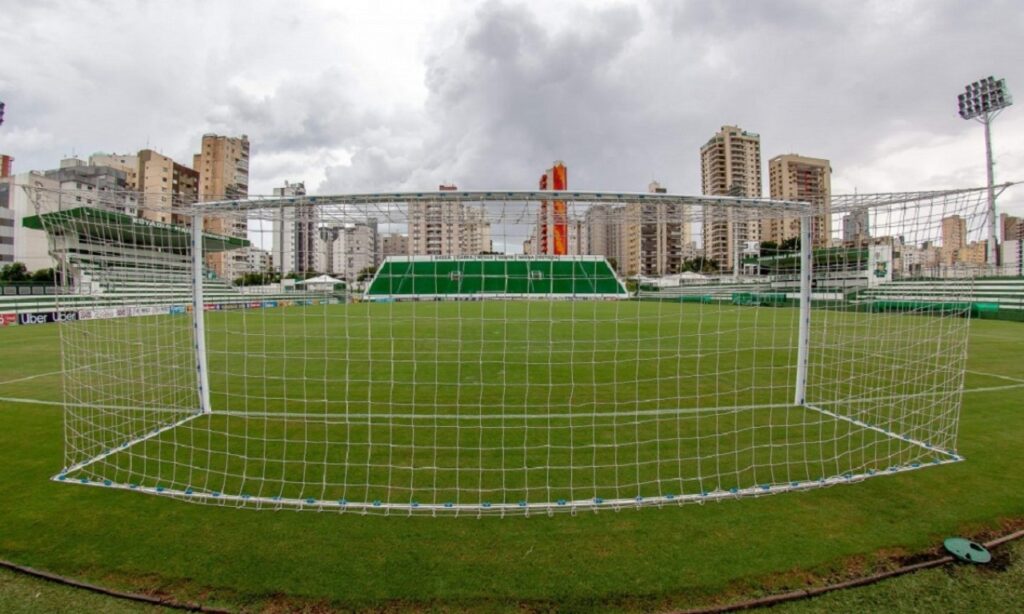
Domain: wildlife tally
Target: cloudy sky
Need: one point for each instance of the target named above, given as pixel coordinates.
(382, 95)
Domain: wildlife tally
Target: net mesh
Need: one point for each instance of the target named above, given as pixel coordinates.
(477, 352)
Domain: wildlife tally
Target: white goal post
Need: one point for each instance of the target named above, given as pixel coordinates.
(486, 352)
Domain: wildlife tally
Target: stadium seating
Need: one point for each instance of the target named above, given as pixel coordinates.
(421, 277)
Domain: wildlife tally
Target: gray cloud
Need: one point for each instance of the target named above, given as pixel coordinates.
(490, 94)
(625, 95)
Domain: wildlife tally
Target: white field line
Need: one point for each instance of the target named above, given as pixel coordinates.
(998, 376)
(28, 377)
(30, 401)
(320, 416)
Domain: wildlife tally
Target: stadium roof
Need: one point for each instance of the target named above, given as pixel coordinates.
(100, 224)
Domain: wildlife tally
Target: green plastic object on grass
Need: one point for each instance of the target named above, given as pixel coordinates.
(967, 551)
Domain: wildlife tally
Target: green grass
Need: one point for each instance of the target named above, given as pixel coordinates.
(675, 556)
(955, 587)
(20, 594)
(504, 403)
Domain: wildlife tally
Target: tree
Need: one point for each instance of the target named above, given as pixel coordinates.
(700, 265)
(791, 244)
(257, 279)
(14, 272)
(366, 273)
(48, 276)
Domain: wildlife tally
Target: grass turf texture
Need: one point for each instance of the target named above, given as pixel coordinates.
(632, 560)
(955, 587)
(497, 402)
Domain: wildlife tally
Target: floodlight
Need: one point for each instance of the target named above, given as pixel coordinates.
(983, 100)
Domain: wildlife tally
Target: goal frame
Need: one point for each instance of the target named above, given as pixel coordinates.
(802, 210)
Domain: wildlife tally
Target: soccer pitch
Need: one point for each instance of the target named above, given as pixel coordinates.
(630, 559)
(496, 405)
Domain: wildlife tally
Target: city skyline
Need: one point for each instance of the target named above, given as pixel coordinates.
(383, 98)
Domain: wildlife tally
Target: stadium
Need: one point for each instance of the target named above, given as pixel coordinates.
(498, 371)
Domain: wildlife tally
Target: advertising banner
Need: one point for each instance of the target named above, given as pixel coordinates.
(176, 310)
(99, 313)
(43, 317)
(149, 310)
(8, 319)
(879, 265)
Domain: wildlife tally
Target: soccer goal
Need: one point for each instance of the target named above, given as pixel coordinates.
(509, 352)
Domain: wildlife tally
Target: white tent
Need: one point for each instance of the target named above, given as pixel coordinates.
(321, 283)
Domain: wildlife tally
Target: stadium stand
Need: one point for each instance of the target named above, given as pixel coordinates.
(1007, 293)
(133, 262)
(438, 278)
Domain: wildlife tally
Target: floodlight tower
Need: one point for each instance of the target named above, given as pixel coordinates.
(983, 100)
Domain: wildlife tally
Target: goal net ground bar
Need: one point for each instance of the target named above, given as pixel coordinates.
(488, 508)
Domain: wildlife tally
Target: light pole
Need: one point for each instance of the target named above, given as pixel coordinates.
(983, 100)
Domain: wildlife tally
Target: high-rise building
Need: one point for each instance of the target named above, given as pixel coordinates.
(168, 189)
(447, 228)
(602, 223)
(80, 184)
(803, 179)
(974, 253)
(6, 165)
(654, 239)
(1012, 227)
(127, 163)
(25, 245)
(552, 216)
(394, 245)
(223, 165)
(730, 164)
(576, 235)
(294, 232)
(1012, 257)
(259, 260)
(6, 223)
(476, 234)
(856, 228)
(346, 250)
(954, 238)
(89, 185)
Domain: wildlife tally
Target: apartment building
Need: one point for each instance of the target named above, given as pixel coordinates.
(730, 165)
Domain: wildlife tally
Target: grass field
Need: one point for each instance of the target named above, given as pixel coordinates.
(502, 405)
(955, 587)
(629, 559)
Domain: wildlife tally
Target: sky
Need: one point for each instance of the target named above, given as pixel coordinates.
(384, 95)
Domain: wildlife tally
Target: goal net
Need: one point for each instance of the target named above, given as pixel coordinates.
(509, 352)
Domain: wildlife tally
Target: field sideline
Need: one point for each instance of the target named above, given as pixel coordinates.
(631, 559)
